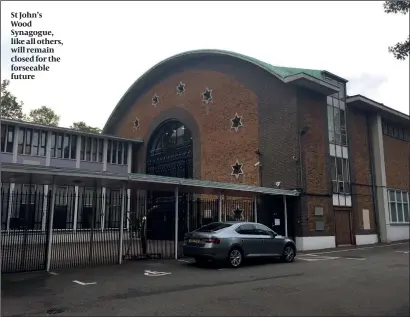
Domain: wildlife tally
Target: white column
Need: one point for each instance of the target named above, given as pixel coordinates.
(103, 205)
(76, 191)
(15, 142)
(48, 149)
(255, 208)
(188, 206)
(78, 152)
(123, 191)
(45, 206)
(105, 155)
(128, 207)
(176, 224)
(50, 227)
(129, 158)
(285, 210)
(9, 209)
(220, 207)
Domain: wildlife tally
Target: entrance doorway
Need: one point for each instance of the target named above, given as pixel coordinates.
(169, 153)
(343, 227)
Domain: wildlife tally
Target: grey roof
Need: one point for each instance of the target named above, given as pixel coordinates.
(66, 130)
(21, 173)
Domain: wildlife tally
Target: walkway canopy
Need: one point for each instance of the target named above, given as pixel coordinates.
(42, 175)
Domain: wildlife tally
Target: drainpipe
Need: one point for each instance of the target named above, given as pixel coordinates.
(372, 173)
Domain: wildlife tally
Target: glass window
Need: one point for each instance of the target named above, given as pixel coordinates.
(399, 206)
(88, 149)
(114, 152)
(20, 142)
(73, 146)
(82, 151)
(340, 175)
(66, 146)
(120, 151)
(331, 124)
(94, 150)
(100, 150)
(3, 137)
(10, 139)
(36, 142)
(109, 151)
(213, 227)
(59, 145)
(43, 143)
(385, 129)
(29, 136)
(391, 130)
(126, 153)
(53, 144)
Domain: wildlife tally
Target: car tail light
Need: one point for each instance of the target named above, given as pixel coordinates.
(212, 240)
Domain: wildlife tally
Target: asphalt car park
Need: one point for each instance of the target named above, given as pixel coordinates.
(363, 281)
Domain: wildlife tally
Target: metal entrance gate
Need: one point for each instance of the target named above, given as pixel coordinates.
(25, 223)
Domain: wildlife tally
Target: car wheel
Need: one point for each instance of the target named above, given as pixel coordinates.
(288, 253)
(235, 258)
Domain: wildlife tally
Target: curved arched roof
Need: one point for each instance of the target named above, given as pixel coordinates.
(300, 76)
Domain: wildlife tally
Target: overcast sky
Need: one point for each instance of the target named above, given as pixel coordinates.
(108, 45)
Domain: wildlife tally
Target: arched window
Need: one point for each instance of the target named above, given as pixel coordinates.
(169, 137)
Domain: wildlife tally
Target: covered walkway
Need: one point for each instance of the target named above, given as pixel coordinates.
(45, 242)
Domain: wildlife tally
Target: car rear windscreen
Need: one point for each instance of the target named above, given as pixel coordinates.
(212, 227)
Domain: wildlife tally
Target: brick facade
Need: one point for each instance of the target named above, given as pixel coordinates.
(220, 145)
(315, 158)
(397, 160)
(268, 108)
(360, 167)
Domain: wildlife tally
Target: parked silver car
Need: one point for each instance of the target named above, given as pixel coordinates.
(235, 241)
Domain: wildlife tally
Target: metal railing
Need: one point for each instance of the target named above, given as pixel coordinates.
(85, 228)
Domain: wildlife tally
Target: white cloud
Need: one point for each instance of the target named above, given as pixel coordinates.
(108, 45)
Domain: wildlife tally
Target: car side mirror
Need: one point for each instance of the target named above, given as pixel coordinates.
(272, 234)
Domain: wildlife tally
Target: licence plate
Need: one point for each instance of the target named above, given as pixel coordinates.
(194, 241)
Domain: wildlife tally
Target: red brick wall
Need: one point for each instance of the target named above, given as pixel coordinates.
(220, 145)
(313, 109)
(360, 166)
(397, 159)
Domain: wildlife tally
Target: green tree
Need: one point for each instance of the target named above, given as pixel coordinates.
(82, 126)
(401, 49)
(10, 107)
(44, 115)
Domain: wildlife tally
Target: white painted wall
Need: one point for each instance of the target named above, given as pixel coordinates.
(363, 239)
(397, 232)
(315, 243)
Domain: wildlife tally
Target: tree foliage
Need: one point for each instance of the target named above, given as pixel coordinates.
(44, 115)
(400, 50)
(10, 107)
(82, 126)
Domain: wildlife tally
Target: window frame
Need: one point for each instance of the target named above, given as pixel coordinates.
(340, 178)
(6, 144)
(405, 201)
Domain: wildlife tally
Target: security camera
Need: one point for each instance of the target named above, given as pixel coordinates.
(277, 184)
(294, 157)
(257, 163)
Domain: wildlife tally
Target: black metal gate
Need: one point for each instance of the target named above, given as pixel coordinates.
(24, 235)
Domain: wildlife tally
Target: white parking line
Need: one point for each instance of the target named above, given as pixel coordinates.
(358, 259)
(186, 261)
(363, 248)
(84, 284)
(53, 273)
(314, 257)
(405, 252)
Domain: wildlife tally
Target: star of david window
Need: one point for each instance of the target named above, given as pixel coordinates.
(180, 88)
(207, 96)
(236, 122)
(136, 123)
(155, 100)
(237, 169)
